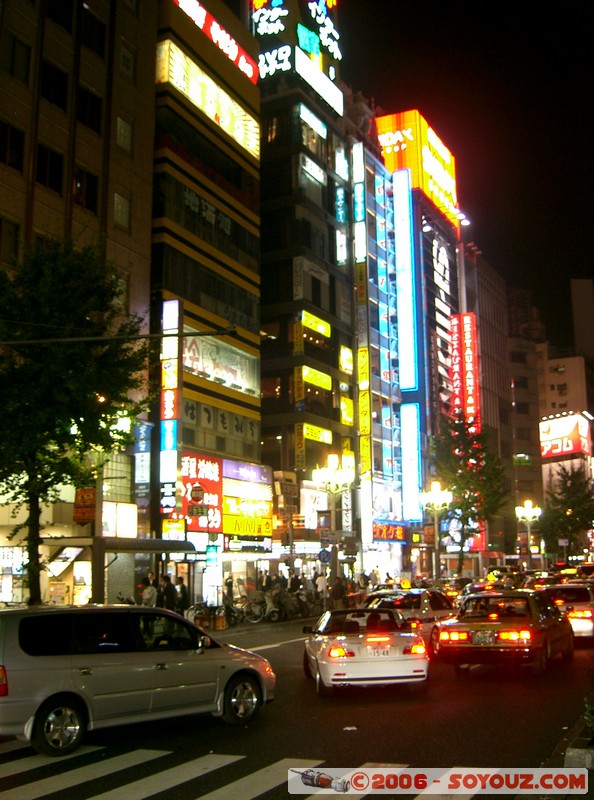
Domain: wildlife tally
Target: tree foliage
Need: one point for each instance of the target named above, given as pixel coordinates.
(568, 511)
(70, 370)
(474, 475)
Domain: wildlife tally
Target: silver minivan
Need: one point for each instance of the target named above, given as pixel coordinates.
(65, 670)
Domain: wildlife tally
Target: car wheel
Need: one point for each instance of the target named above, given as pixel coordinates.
(434, 643)
(540, 663)
(321, 688)
(568, 653)
(306, 667)
(59, 727)
(242, 699)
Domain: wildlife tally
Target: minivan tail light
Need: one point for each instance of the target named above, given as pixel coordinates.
(3, 682)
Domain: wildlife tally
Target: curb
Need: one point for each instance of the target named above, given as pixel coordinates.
(579, 751)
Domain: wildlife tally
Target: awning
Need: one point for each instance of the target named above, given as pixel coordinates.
(120, 544)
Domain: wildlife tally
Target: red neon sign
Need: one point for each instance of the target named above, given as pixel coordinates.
(464, 368)
(204, 20)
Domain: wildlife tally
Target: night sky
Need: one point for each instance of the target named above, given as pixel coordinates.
(510, 94)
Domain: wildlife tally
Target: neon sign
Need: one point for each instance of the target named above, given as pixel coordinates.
(204, 20)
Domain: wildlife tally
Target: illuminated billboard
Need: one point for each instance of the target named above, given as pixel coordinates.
(464, 369)
(408, 142)
(566, 435)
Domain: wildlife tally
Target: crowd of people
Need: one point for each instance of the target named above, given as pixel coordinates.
(164, 593)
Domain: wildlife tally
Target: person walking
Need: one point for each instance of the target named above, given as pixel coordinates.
(149, 593)
(167, 595)
(183, 599)
(337, 593)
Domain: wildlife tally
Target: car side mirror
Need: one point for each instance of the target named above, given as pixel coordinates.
(203, 643)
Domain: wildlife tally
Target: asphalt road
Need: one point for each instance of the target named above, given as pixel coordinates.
(482, 719)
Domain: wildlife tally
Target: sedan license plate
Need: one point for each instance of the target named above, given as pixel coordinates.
(378, 651)
(483, 637)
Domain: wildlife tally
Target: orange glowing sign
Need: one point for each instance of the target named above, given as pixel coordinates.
(565, 436)
(408, 142)
(464, 368)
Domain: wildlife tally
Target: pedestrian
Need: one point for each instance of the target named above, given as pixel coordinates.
(167, 593)
(265, 582)
(148, 598)
(321, 585)
(294, 581)
(337, 593)
(229, 587)
(152, 580)
(183, 599)
(149, 592)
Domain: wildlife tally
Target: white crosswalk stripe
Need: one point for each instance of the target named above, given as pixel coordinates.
(248, 787)
(259, 782)
(168, 778)
(66, 780)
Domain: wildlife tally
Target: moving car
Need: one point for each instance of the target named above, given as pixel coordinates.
(577, 601)
(65, 670)
(506, 627)
(426, 606)
(364, 647)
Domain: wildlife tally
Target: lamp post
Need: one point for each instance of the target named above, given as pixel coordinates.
(335, 479)
(528, 513)
(436, 500)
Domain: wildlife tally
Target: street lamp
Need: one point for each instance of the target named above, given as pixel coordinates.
(335, 479)
(436, 500)
(528, 514)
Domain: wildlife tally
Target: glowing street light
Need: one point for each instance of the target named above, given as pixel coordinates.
(436, 500)
(528, 513)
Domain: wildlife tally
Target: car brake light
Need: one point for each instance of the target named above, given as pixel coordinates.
(340, 651)
(582, 613)
(3, 682)
(416, 649)
(514, 636)
(558, 601)
(453, 636)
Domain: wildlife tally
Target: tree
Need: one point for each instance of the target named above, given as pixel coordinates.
(70, 362)
(569, 509)
(473, 474)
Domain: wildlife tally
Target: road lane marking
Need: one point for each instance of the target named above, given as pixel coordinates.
(259, 782)
(168, 778)
(33, 762)
(66, 780)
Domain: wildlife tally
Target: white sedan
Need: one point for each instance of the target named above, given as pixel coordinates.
(364, 647)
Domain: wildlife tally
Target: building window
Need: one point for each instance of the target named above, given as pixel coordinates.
(85, 190)
(54, 85)
(93, 32)
(9, 241)
(128, 62)
(60, 11)
(124, 135)
(15, 57)
(89, 109)
(121, 211)
(518, 357)
(522, 408)
(50, 168)
(12, 146)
